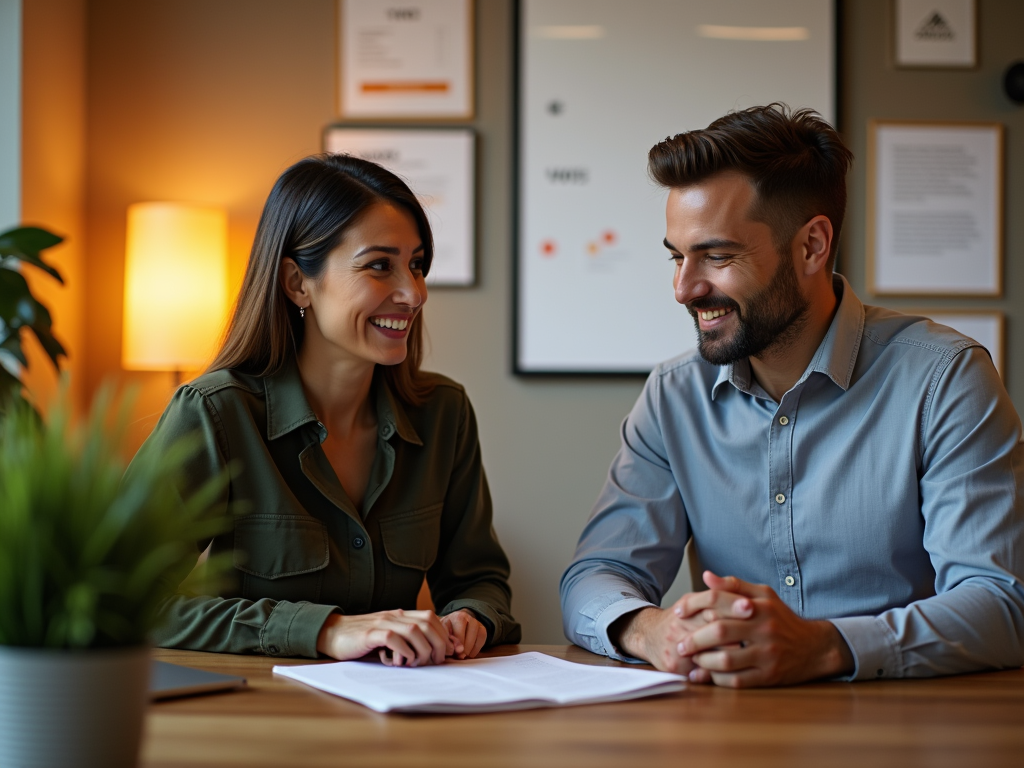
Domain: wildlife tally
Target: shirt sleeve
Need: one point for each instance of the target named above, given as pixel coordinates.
(471, 570)
(631, 548)
(971, 481)
(211, 622)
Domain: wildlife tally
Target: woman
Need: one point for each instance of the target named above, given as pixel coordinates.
(356, 473)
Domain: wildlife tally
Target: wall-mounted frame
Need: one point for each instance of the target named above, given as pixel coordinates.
(987, 327)
(935, 33)
(598, 85)
(412, 60)
(439, 166)
(935, 208)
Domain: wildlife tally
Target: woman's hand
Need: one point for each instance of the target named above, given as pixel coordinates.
(468, 634)
(403, 638)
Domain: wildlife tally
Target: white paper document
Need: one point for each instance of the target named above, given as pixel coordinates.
(524, 681)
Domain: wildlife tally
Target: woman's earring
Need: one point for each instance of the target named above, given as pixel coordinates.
(302, 312)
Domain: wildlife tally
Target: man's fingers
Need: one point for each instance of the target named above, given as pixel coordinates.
(712, 604)
(735, 585)
(732, 659)
(747, 678)
(715, 635)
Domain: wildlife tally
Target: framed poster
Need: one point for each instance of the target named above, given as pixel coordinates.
(438, 164)
(984, 326)
(935, 208)
(936, 33)
(598, 85)
(411, 60)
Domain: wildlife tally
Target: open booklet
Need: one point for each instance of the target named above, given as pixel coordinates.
(524, 681)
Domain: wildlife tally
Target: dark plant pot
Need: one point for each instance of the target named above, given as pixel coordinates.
(72, 709)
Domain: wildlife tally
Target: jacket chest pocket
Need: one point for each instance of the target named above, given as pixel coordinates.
(410, 544)
(281, 557)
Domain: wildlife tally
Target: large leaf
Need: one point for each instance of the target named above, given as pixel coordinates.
(12, 346)
(14, 295)
(25, 243)
(53, 348)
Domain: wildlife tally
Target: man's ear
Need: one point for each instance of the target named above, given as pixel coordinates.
(812, 245)
(293, 282)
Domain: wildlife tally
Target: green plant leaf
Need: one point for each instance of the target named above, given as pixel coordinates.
(87, 558)
(25, 243)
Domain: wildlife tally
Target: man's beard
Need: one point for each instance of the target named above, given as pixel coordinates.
(772, 319)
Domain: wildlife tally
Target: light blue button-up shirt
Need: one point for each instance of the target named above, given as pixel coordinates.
(884, 492)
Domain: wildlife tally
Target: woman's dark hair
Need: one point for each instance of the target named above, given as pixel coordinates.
(795, 160)
(305, 216)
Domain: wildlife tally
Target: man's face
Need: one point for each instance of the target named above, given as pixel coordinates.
(744, 296)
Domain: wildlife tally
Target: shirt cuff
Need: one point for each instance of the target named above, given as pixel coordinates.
(292, 628)
(876, 654)
(599, 614)
(484, 612)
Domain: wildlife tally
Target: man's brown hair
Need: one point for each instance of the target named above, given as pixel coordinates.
(795, 160)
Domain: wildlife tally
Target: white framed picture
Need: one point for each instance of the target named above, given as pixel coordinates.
(936, 33)
(408, 61)
(438, 164)
(935, 208)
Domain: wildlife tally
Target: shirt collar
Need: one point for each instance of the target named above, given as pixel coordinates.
(288, 409)
(391, 415)
(835, 356)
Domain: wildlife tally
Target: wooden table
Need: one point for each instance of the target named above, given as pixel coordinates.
(972, 720)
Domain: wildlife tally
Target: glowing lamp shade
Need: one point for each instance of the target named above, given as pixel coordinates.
(175, 288)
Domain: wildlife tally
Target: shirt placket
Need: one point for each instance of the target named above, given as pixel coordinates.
(780, 491)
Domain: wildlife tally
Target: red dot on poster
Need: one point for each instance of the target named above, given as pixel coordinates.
(548, 248)
(609, 237)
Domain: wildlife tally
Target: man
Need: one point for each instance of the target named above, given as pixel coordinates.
(852, 477)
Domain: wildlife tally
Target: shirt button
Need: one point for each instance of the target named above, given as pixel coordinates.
(783, 420)
(358, 542)
(790, 581)
(780, 498)
(274, 649)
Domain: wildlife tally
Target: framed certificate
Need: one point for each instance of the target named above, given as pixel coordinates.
(935, 209)
(985, 327)
(438, 164)
(411, 60)
(936, 33)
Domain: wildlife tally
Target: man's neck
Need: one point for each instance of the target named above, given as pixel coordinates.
(780, 366)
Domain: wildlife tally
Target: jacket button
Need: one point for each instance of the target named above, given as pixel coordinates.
(357, 542)
(274, 649)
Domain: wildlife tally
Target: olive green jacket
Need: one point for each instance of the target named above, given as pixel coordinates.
(300, 549)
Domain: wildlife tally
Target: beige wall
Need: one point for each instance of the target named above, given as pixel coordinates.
(209, 101)
(53, 176)
(873, 88)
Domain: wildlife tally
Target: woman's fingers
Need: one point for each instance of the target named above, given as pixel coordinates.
(476, 636)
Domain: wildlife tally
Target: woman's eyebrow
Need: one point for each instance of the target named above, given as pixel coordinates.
(390, 250)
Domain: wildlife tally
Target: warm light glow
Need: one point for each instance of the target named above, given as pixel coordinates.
(571, 32)
(175, 286)
(769, 34)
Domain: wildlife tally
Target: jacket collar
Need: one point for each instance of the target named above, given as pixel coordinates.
(288, 409)
(835, 356)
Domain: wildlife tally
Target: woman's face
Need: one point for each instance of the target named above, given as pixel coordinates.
(371, 290)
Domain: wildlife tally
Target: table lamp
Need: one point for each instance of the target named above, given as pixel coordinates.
(175, 287)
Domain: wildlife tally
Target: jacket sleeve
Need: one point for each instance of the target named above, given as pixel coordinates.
(211, 622)
(972, 502)
(471, 570)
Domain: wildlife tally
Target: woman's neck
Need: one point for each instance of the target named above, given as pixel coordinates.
(338, 390)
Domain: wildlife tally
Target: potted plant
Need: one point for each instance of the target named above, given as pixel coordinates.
(87, 555)
(19, 309)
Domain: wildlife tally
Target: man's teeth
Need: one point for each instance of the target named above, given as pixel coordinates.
(387, 322)
(711, 314)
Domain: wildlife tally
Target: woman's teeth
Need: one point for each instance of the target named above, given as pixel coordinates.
(711, 314)
(387, 322)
